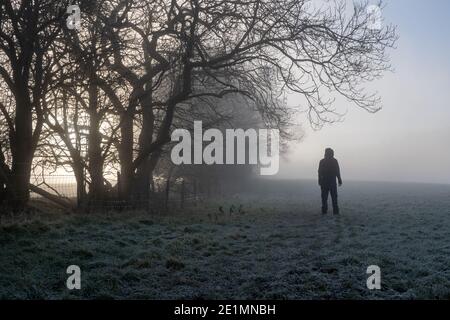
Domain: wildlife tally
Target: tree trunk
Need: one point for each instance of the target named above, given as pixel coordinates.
(141, 184)
(4, 177)
(167, 191)
(96, 190)
(22, 152)
(81, 190)
(126, 156)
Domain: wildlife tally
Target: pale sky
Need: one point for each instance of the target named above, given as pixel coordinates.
(409, 140)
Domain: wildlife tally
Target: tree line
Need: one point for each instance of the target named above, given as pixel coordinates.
(103, 99)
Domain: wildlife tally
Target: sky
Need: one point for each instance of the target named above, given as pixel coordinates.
(409, 139)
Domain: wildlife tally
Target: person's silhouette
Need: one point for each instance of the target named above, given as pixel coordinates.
(329, 171)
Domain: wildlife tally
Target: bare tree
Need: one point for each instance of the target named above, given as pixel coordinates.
(80, 116)
(27, 29)
(136, 68)
(260, 49)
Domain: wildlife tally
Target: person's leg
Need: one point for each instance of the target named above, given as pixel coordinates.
(324, 199)
(334, 199)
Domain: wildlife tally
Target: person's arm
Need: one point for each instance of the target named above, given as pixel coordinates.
(338, 173)
(320, 172)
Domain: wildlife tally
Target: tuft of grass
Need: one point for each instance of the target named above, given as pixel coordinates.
(147, 222)
(174, 264)
(82, 254)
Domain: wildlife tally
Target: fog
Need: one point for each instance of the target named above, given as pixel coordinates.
(408, 140)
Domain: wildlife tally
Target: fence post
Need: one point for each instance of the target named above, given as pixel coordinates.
(219, 187)
(208, 186)
(118, 185)
(166, 203)
(182, 193)
(79, 191)
(150, 195)
(195, 191)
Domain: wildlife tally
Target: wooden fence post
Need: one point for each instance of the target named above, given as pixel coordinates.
(167, 191)
(195, 192)
(182, 193)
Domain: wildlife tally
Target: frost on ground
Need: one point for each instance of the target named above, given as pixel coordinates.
(278, 247)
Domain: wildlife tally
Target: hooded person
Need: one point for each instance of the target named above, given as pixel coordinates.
(329, 172)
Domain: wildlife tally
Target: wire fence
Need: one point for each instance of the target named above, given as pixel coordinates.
(163, 195)
(64, 186)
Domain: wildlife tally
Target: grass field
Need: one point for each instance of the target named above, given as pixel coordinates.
(278, 247)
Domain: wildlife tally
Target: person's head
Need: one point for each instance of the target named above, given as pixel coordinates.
(329, 153)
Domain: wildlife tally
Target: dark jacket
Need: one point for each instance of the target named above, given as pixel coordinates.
(329, 171)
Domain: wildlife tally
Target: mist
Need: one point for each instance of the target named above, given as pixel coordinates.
(407, 141)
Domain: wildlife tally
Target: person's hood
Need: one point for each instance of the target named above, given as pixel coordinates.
(329, 153)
